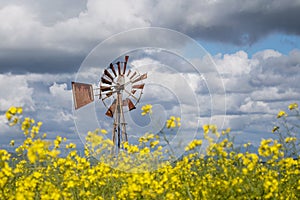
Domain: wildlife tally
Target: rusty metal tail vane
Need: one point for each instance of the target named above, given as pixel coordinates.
(82, 94)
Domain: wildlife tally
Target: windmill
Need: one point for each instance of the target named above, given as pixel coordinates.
(120, 91)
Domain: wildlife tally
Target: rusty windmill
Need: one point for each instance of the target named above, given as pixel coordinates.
(120, 91)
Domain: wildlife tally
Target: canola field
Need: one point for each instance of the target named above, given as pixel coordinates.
(39, 171)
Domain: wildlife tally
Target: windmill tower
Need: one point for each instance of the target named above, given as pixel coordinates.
(120, 91)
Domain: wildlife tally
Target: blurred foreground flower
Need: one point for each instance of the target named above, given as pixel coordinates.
(147, 109)
(173, 122)
(281, 113)
(12, 143)
(38, 170)
(193, 144)
(293, 106)
(275, 129)
(213, 128)
(11, 115)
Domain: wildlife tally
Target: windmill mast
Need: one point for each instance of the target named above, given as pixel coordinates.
(119, 128)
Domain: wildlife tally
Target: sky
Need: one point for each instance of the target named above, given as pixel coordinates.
(254, 48)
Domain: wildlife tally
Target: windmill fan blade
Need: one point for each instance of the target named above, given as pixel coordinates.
(133, 75)
(109, 94)
(108, 74)
(111, 110)
(103, 80)
(128, 73)
(133, 91)
(126, 58)
(141, 86)
(111, 66)
(142, 77)
(125, 64)
(82, 94)
(130, 104)
(105, 88)
(124, 69)
(119, 68)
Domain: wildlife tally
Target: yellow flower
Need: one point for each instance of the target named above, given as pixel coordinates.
(13, 110)
(275, 129)
(37, 175)
(12, 143)
(224, 132)
(45, 174)
(144, 151)
(173, 122)
(170, 124)
(205, 128)
(70, 184)
(213, 128)
(103, 131)
(146, 109)
(193, 144)
(178, 121)
(39, 124)
(71, 146)
(14, 121)
(293, 106)
(19, 110)
(247, 144)
(8, 115)
(281, 113)
(154, 143)
(245, 171)
(290, 139)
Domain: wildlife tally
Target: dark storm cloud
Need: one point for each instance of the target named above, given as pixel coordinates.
(50, 12)
(55, 36)
(39, 61)
(234, 21)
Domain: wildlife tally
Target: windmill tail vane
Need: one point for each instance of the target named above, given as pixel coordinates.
(119, 90)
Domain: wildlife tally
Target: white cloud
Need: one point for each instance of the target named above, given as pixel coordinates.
(62, 97)
(19, 28)
(15, 92)
(268, 53)
(41, 97)
(63, 116)
(275, 94)
(23, 28)
(79, 26)
(249, 106)
(236, 64)
(254, 106)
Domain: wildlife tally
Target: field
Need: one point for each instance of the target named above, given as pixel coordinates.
(40, 172)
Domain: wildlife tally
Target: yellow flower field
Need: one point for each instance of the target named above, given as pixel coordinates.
(40, 172)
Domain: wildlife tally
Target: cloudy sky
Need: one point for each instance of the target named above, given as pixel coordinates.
(254, 45)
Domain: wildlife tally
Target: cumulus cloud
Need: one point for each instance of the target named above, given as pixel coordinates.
(62, 97)
(256, 88)
(38, 36)
(15, 91)
(250, 106)
(236, 64)
(44, 97)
